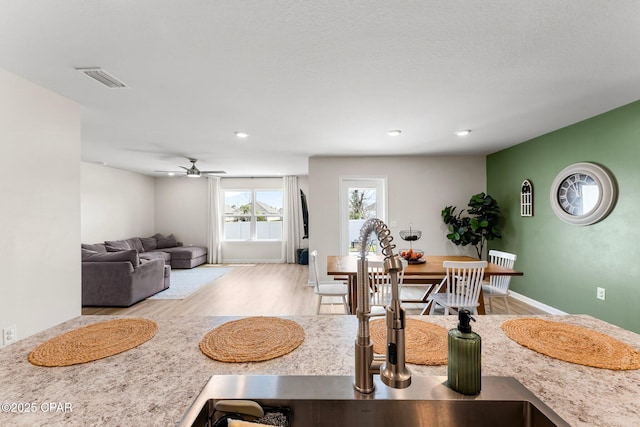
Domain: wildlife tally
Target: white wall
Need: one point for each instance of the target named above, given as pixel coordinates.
(116, 204)
(419, 187)
(181, 209)
(40, 214)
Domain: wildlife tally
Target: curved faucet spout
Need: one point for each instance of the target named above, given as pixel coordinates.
(393, 372)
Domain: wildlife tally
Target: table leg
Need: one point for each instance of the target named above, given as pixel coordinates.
(353, 293)
(481, 309)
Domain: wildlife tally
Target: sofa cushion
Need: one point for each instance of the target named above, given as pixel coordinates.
(166, 242)
(135, 243)
(186, 252)
(116, 245)
(164, 256)
(130, 255)
(97, 247)
(148, 243)
(86, 253)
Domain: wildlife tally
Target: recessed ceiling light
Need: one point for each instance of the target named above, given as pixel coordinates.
(394, 132)
(463, 132)
(242, 134)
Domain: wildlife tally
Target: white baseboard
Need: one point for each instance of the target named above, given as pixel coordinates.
(536, 304)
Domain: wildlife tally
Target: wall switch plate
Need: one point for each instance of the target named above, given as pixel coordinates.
(9, 335)
(600, 293)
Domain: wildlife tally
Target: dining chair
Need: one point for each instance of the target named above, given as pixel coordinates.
(329, 288)
(463, 283)
(498, 286)
(380, 286)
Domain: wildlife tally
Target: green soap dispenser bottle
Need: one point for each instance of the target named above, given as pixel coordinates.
(464, 356)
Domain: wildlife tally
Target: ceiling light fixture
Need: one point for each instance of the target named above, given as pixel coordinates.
(394, 132)
(242, 134)
(463, 132)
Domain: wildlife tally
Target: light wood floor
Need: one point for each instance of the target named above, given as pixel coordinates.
(261, 290)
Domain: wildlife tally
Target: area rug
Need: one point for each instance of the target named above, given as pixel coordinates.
(252, 339)
(187, 281)
(425, 343)
(572, 343)
(93, 342)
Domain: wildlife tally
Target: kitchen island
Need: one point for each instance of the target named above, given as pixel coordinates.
(155, 383)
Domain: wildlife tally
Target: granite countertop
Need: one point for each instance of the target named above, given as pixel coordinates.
(155, 383)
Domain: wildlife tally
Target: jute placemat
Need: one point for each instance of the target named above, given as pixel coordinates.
(425, 343)
(93, 342)
(252, 339)
(572, 343)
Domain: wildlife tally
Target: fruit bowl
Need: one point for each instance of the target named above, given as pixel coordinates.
(410, 235)
(414, 256)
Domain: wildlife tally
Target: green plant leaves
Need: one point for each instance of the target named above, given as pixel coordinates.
(482, 224)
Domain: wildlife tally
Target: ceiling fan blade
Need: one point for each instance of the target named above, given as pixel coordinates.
(214, 172)
(185, 168)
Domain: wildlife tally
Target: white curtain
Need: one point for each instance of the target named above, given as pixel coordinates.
(291, 219)
(214, 221)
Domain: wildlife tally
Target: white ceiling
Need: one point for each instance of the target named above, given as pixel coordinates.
(321, 78)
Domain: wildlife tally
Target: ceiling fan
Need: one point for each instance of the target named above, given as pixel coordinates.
(193, 171)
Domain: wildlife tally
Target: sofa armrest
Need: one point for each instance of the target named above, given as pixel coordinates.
(151, 265)
(106, 269)
(119, 283)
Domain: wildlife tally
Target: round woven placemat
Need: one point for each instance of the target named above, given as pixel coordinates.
(93, 342)
(252, 339)
(425, 343)
(572, 343)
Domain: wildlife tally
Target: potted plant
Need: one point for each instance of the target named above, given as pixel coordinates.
(482, 223)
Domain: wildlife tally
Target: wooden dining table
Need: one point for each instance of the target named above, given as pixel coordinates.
(428, 273)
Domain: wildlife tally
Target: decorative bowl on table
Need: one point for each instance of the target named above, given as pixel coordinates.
(410, 235)
(414, 256)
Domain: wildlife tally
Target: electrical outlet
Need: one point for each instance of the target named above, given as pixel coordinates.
(9, 335)
(600, 293)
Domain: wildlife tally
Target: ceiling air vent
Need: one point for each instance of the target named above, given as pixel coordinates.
(102, 76)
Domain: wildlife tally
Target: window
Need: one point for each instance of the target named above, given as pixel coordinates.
(253, 214)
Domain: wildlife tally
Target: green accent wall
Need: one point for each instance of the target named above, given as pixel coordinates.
(562, 263)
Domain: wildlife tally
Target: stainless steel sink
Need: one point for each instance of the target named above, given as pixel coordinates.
(332, 401)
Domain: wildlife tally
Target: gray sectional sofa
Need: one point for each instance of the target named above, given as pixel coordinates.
(122, 272)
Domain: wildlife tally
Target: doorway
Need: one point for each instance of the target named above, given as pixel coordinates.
(361, 198)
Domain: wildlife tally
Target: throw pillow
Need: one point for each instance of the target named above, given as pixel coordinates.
(98, 247)
(148, 243)
(116, 245)
(166, 242)
(129, 255)
(135, 243)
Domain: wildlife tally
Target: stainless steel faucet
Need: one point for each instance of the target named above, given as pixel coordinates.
(393, 371)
